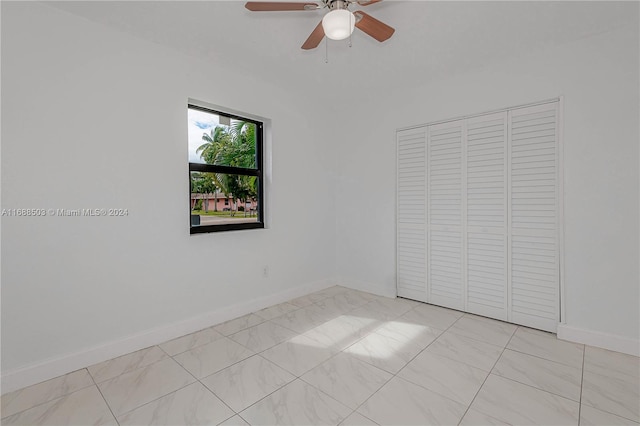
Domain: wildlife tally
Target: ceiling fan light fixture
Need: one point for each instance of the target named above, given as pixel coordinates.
(338, 24)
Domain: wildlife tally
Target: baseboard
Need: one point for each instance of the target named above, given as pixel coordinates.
(599, 339)
(54, 367)
(367, 286)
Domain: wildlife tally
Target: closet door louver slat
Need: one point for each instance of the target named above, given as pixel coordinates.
(534, 216)
(411, 214)
(445, 195)
(487, 215)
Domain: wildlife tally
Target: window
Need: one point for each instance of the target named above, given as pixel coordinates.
(225, 171)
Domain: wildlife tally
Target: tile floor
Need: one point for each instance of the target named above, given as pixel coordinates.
(345, 357)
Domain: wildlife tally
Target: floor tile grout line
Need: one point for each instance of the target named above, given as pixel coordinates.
(296, 377)
(299, 377)
(214, 341)
(267, 395)
(154, 400)
(540, 357)
(360, 414)
(489, 374)
(103, 398)
(191, 348)
(384, 323)
(353, 343)
(267, 360)
(371, 396)
(534, 387)
(326, 394)
(245, 420)
(53, 399)
(525, 384)
(331, 319)
(48, 380)
(394, 375)
(269, 319)
(236, 331)
(217, 371)
(252, 404)
(167, 354)
(169, 393)
(542, 390)
(430, 343)
(459, 334)
(584, 351)
(288, 302)
(264, 350)
(131, 370)
(636, 422)
(526, 329)
(313, 303)
(207, 388)
(222, 336)
(423, 350)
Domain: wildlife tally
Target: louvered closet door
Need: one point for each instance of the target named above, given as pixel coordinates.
(445, 198)
(478, 215)
(534, 206)
(486, 215)
(411, 214)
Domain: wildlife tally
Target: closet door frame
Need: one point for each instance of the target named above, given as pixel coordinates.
(560, 133)
(561, 314)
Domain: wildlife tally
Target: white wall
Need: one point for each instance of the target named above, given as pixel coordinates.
(598, 77)
(94, 118)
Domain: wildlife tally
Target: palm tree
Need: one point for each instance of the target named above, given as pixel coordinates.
(211, 153)
(236, 147)
(243, 138)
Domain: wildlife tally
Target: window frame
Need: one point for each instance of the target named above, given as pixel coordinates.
(211, 168)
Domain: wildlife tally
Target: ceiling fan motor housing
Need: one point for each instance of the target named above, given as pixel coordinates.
(337, 4)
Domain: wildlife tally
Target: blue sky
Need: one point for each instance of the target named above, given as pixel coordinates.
(199, 122)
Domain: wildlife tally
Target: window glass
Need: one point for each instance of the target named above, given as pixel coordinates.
(225, 171)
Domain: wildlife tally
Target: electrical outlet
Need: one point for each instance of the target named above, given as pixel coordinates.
(265, 271)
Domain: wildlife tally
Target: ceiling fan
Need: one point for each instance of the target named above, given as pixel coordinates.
(337, 24)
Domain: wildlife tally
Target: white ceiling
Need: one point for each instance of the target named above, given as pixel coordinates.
(432, 39)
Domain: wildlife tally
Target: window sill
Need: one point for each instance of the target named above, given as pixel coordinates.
(225, 227)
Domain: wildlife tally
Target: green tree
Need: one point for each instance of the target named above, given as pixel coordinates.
(233, 146)
(203, 183)
(211, 153)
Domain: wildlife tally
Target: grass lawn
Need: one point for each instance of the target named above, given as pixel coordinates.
(219, 213)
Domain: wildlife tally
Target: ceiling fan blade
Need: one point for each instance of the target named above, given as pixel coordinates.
(367, 3)
(370, 25)
(315, 38)
(265, 6)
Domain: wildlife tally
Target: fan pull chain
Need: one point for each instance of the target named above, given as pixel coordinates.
(351, 33)
(326, 50)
